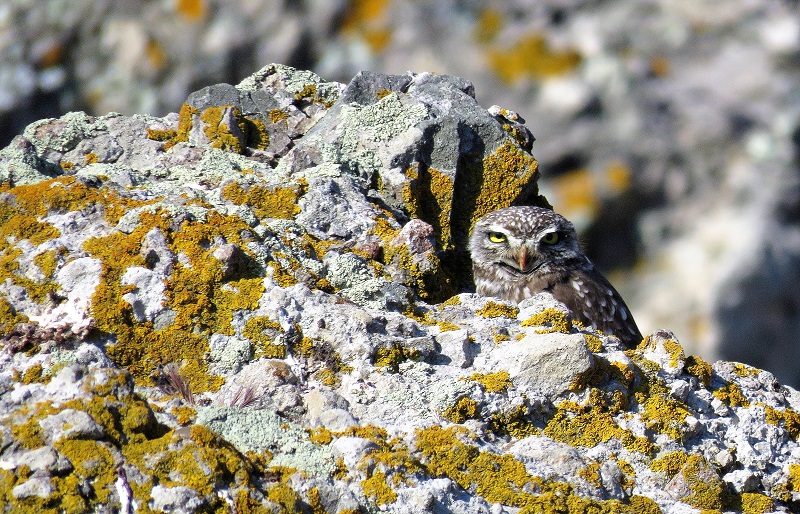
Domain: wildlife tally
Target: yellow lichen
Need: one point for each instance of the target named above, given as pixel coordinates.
(492, 382)
(594, 343)
(276, 202)
(260, 330)
(531, 57)
(755, 503)
(665, 415)
(277, 115)
(464, 409)
(731, 394)
(488, 26)
(787, 419)
(793, 482)
(743, 370)
(591, 473)
(33, 374)
(590, 425)
(366, 19)
(390, 357)
(699, 368)
(253, 131)
(504, 480)
(203, 302)
(495, 310)
(552, 319)
(670, 463)
(514, 423)
(707, 491)
(499, 338)
(184, 414)
(429, 196)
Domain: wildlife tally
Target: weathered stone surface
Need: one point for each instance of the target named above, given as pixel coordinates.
(192, 319)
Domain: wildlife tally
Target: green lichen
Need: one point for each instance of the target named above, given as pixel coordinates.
(552, 319)
(496, 310)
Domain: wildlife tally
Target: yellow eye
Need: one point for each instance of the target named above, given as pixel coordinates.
(551, 238)
(497, 237)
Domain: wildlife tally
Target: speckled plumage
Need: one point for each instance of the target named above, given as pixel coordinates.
(520, 251)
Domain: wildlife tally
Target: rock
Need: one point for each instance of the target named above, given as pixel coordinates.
(548, 364)
(41, 487)
(263, 298)
(147, 299)
(71, 424)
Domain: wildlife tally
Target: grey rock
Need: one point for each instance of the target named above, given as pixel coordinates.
(258, 430)
(457, 348)
(40, 487)
(175, 499)
(147, 300)
(548, 363)
(71, 424)
(742, 481)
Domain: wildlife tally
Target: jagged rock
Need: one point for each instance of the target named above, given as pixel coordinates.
(206, 310)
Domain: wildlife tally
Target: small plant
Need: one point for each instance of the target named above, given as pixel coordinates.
(173, 383)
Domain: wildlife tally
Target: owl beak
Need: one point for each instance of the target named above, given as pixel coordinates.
(522, 258)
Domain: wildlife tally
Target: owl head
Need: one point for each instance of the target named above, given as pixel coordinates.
(525, 240)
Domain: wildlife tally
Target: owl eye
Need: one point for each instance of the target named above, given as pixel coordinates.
(497, 237)
(551, 238)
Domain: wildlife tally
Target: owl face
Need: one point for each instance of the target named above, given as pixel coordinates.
(518, 241)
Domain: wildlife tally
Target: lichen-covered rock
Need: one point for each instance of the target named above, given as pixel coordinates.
(251, 305)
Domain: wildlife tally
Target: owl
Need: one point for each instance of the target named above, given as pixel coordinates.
(520, 251)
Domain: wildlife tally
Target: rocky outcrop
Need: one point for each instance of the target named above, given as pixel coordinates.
(261, 303)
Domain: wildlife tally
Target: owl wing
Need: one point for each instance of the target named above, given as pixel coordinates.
(594, 302)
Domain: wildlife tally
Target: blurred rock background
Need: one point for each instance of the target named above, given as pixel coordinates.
(667, 131)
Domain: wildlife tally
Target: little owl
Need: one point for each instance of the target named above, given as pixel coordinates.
(520, 251)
